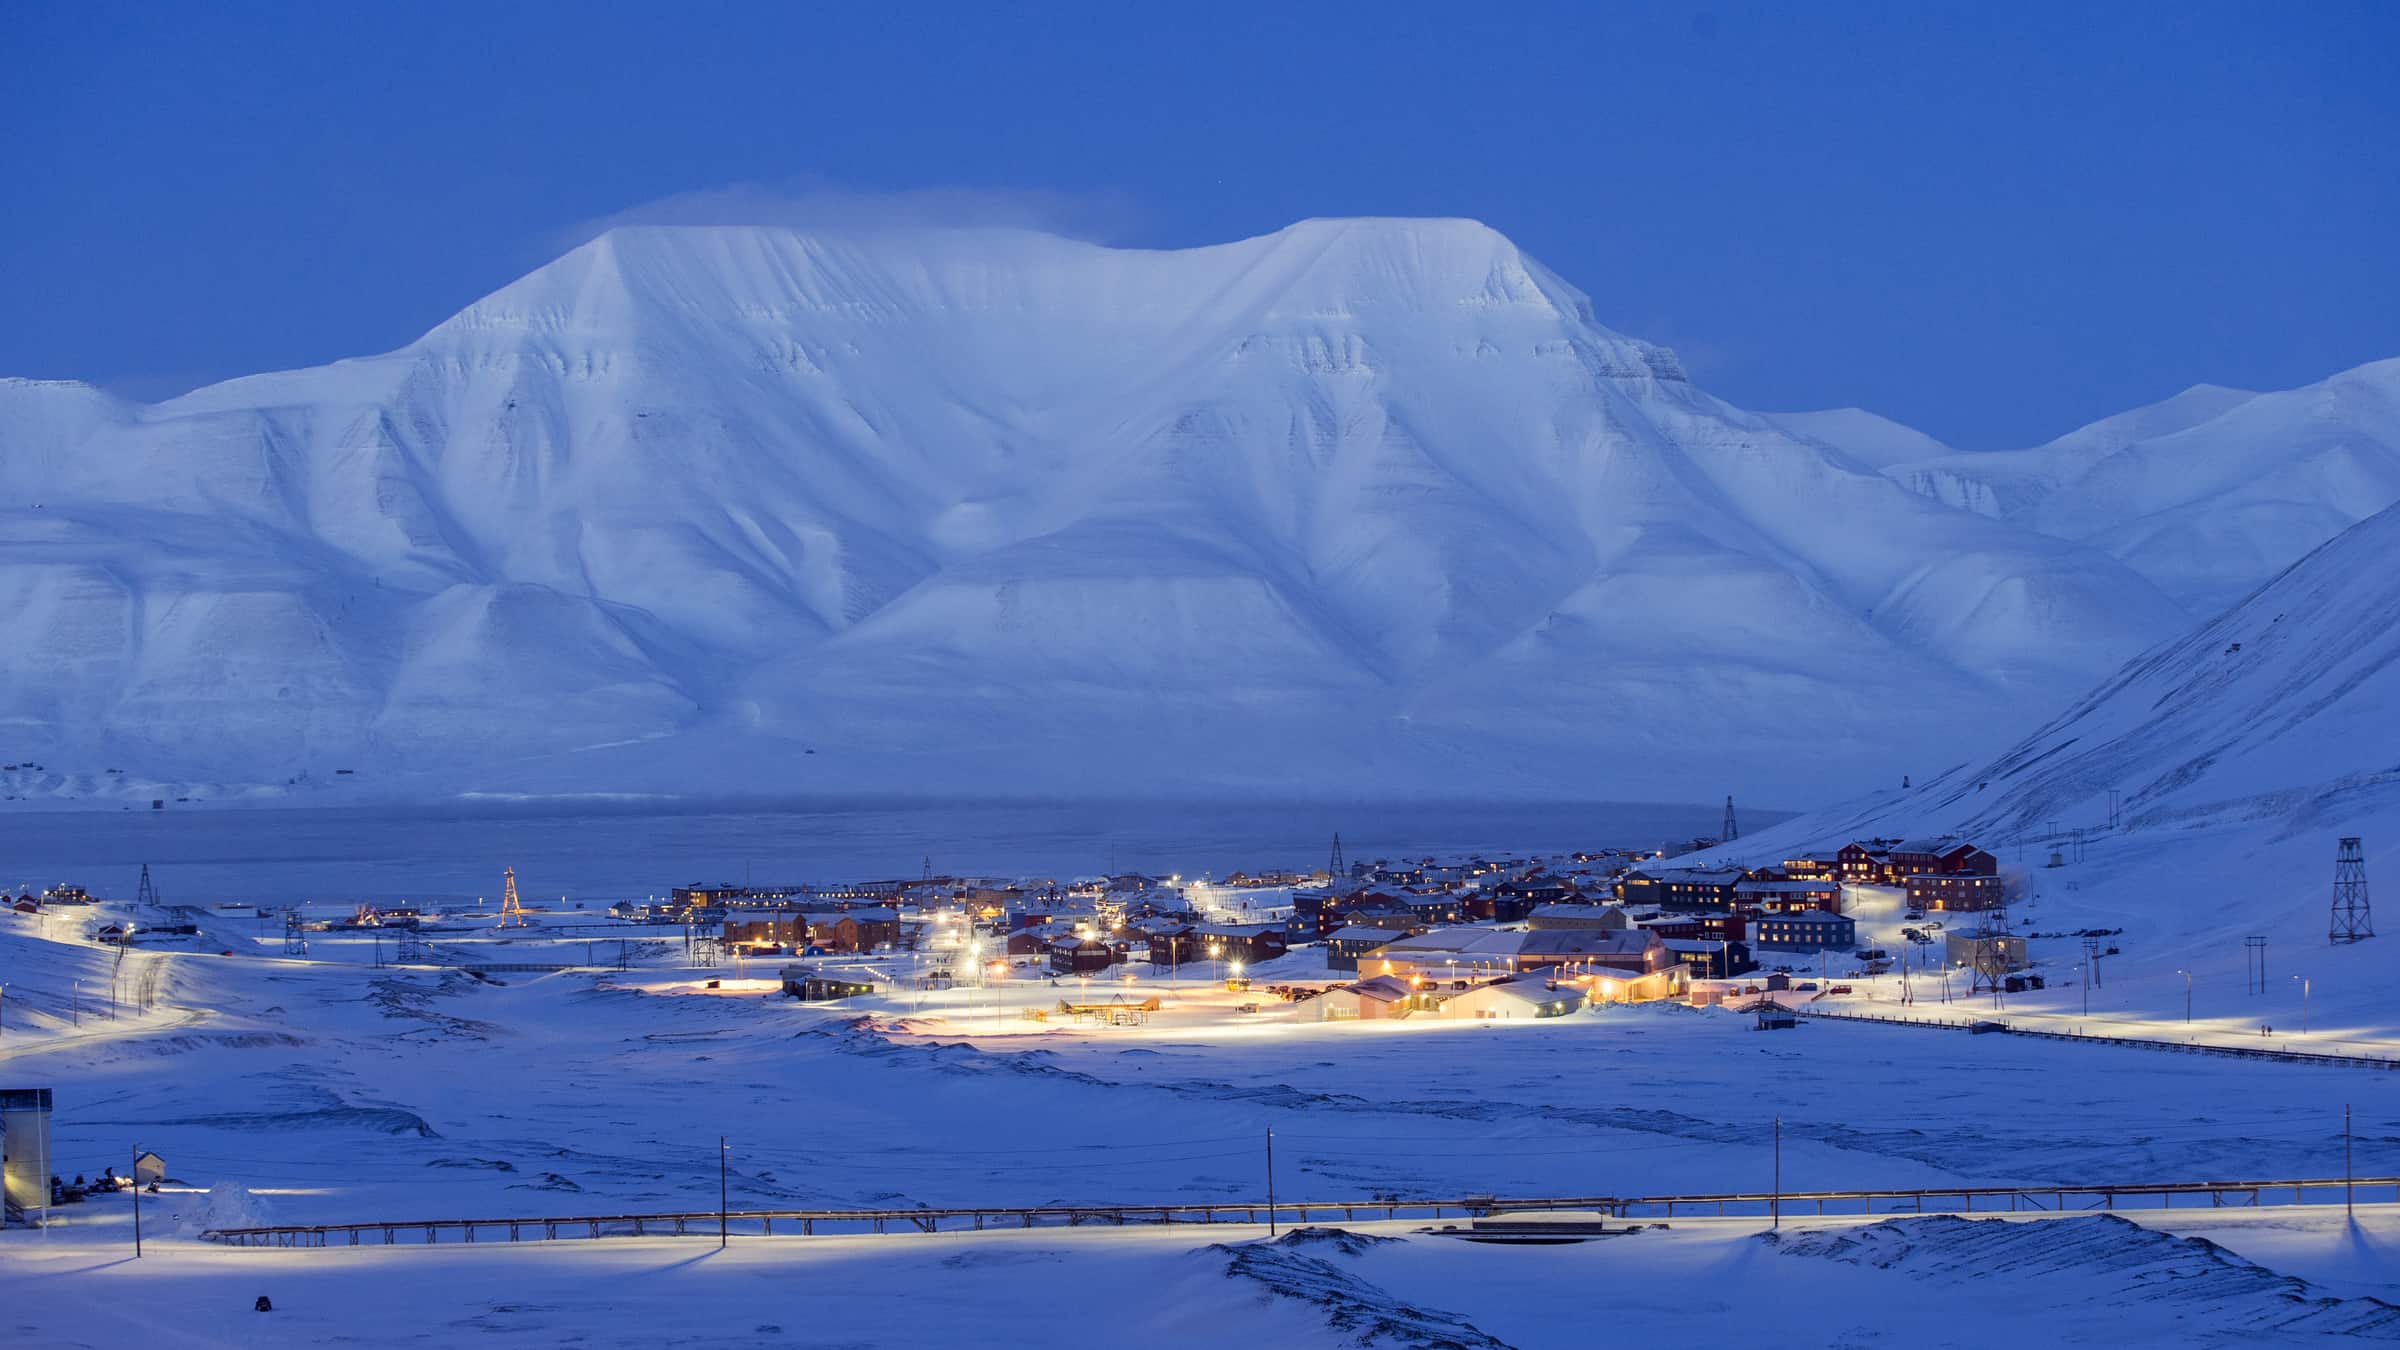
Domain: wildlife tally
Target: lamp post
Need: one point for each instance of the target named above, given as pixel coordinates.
(2304, 983)
(2187, 996)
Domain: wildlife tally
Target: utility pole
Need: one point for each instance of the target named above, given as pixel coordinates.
(2304, 983)
(1270, 1183)
(721, 1192)
(1775, 1212)
(137, 1202)
(2254, 952)
(2187, 996)
(2349, 1188)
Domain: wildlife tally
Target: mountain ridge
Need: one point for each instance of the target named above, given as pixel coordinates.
(1381, 491)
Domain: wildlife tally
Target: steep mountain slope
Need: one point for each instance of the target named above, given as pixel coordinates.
(994, 511)
(2282, 709)
(2208, 493)
(2294, 692)
(2241, 752)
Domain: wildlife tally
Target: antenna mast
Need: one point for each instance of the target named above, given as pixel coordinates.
(512, 913)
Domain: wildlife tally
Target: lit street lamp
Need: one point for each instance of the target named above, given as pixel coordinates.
(2304, 983)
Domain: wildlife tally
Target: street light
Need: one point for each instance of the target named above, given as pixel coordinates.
(2304, 983)
(2187, 995)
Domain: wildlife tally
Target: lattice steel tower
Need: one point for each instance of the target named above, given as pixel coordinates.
(1333, 868)
(148, 894)
(2352, 920)
(1732, 831)
(512, 914)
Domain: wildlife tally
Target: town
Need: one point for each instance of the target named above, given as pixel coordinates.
(1482, 936)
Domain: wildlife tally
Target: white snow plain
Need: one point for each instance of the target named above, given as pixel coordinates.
(322, 1092)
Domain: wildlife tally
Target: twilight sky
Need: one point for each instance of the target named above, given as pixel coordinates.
(1994, 222)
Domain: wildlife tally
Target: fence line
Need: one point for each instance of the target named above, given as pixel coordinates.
(2052, 1201)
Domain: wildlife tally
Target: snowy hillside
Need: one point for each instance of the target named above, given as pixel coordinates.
(997, 511)
(1869, 438)
(2241, 752)
(2208, 493)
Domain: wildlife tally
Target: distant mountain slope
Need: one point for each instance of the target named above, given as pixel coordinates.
(1866, 437)
(2208, 493)
(1365, 506)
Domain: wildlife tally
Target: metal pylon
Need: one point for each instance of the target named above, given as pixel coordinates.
(2353, 921)
(1732, 831)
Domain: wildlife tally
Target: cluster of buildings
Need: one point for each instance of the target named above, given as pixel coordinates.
(1474, 937)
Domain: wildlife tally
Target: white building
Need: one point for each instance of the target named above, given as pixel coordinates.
(1528, 997)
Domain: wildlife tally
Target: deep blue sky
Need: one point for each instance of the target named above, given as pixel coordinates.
(1994, 222)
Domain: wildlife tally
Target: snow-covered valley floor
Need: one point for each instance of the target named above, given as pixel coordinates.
(322, 1092)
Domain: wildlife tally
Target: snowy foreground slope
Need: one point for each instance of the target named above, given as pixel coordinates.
(994, 508)
(288, 1091)
(2208, 493)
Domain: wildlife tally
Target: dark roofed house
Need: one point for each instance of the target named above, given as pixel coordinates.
(1343, 949)
(1812, 931)
(1247, 943)
(1681, 887)
(1783, 896)
(1711, 960)
(1962, 891)
(1072, 955)
(810, 985)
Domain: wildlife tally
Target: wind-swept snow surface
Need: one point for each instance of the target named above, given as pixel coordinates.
(997, 508)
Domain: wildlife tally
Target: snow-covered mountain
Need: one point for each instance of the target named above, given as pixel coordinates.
(1870, 438)
(1368, 507)
(2241, 752)
(2207, 494)
(2287, 702)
